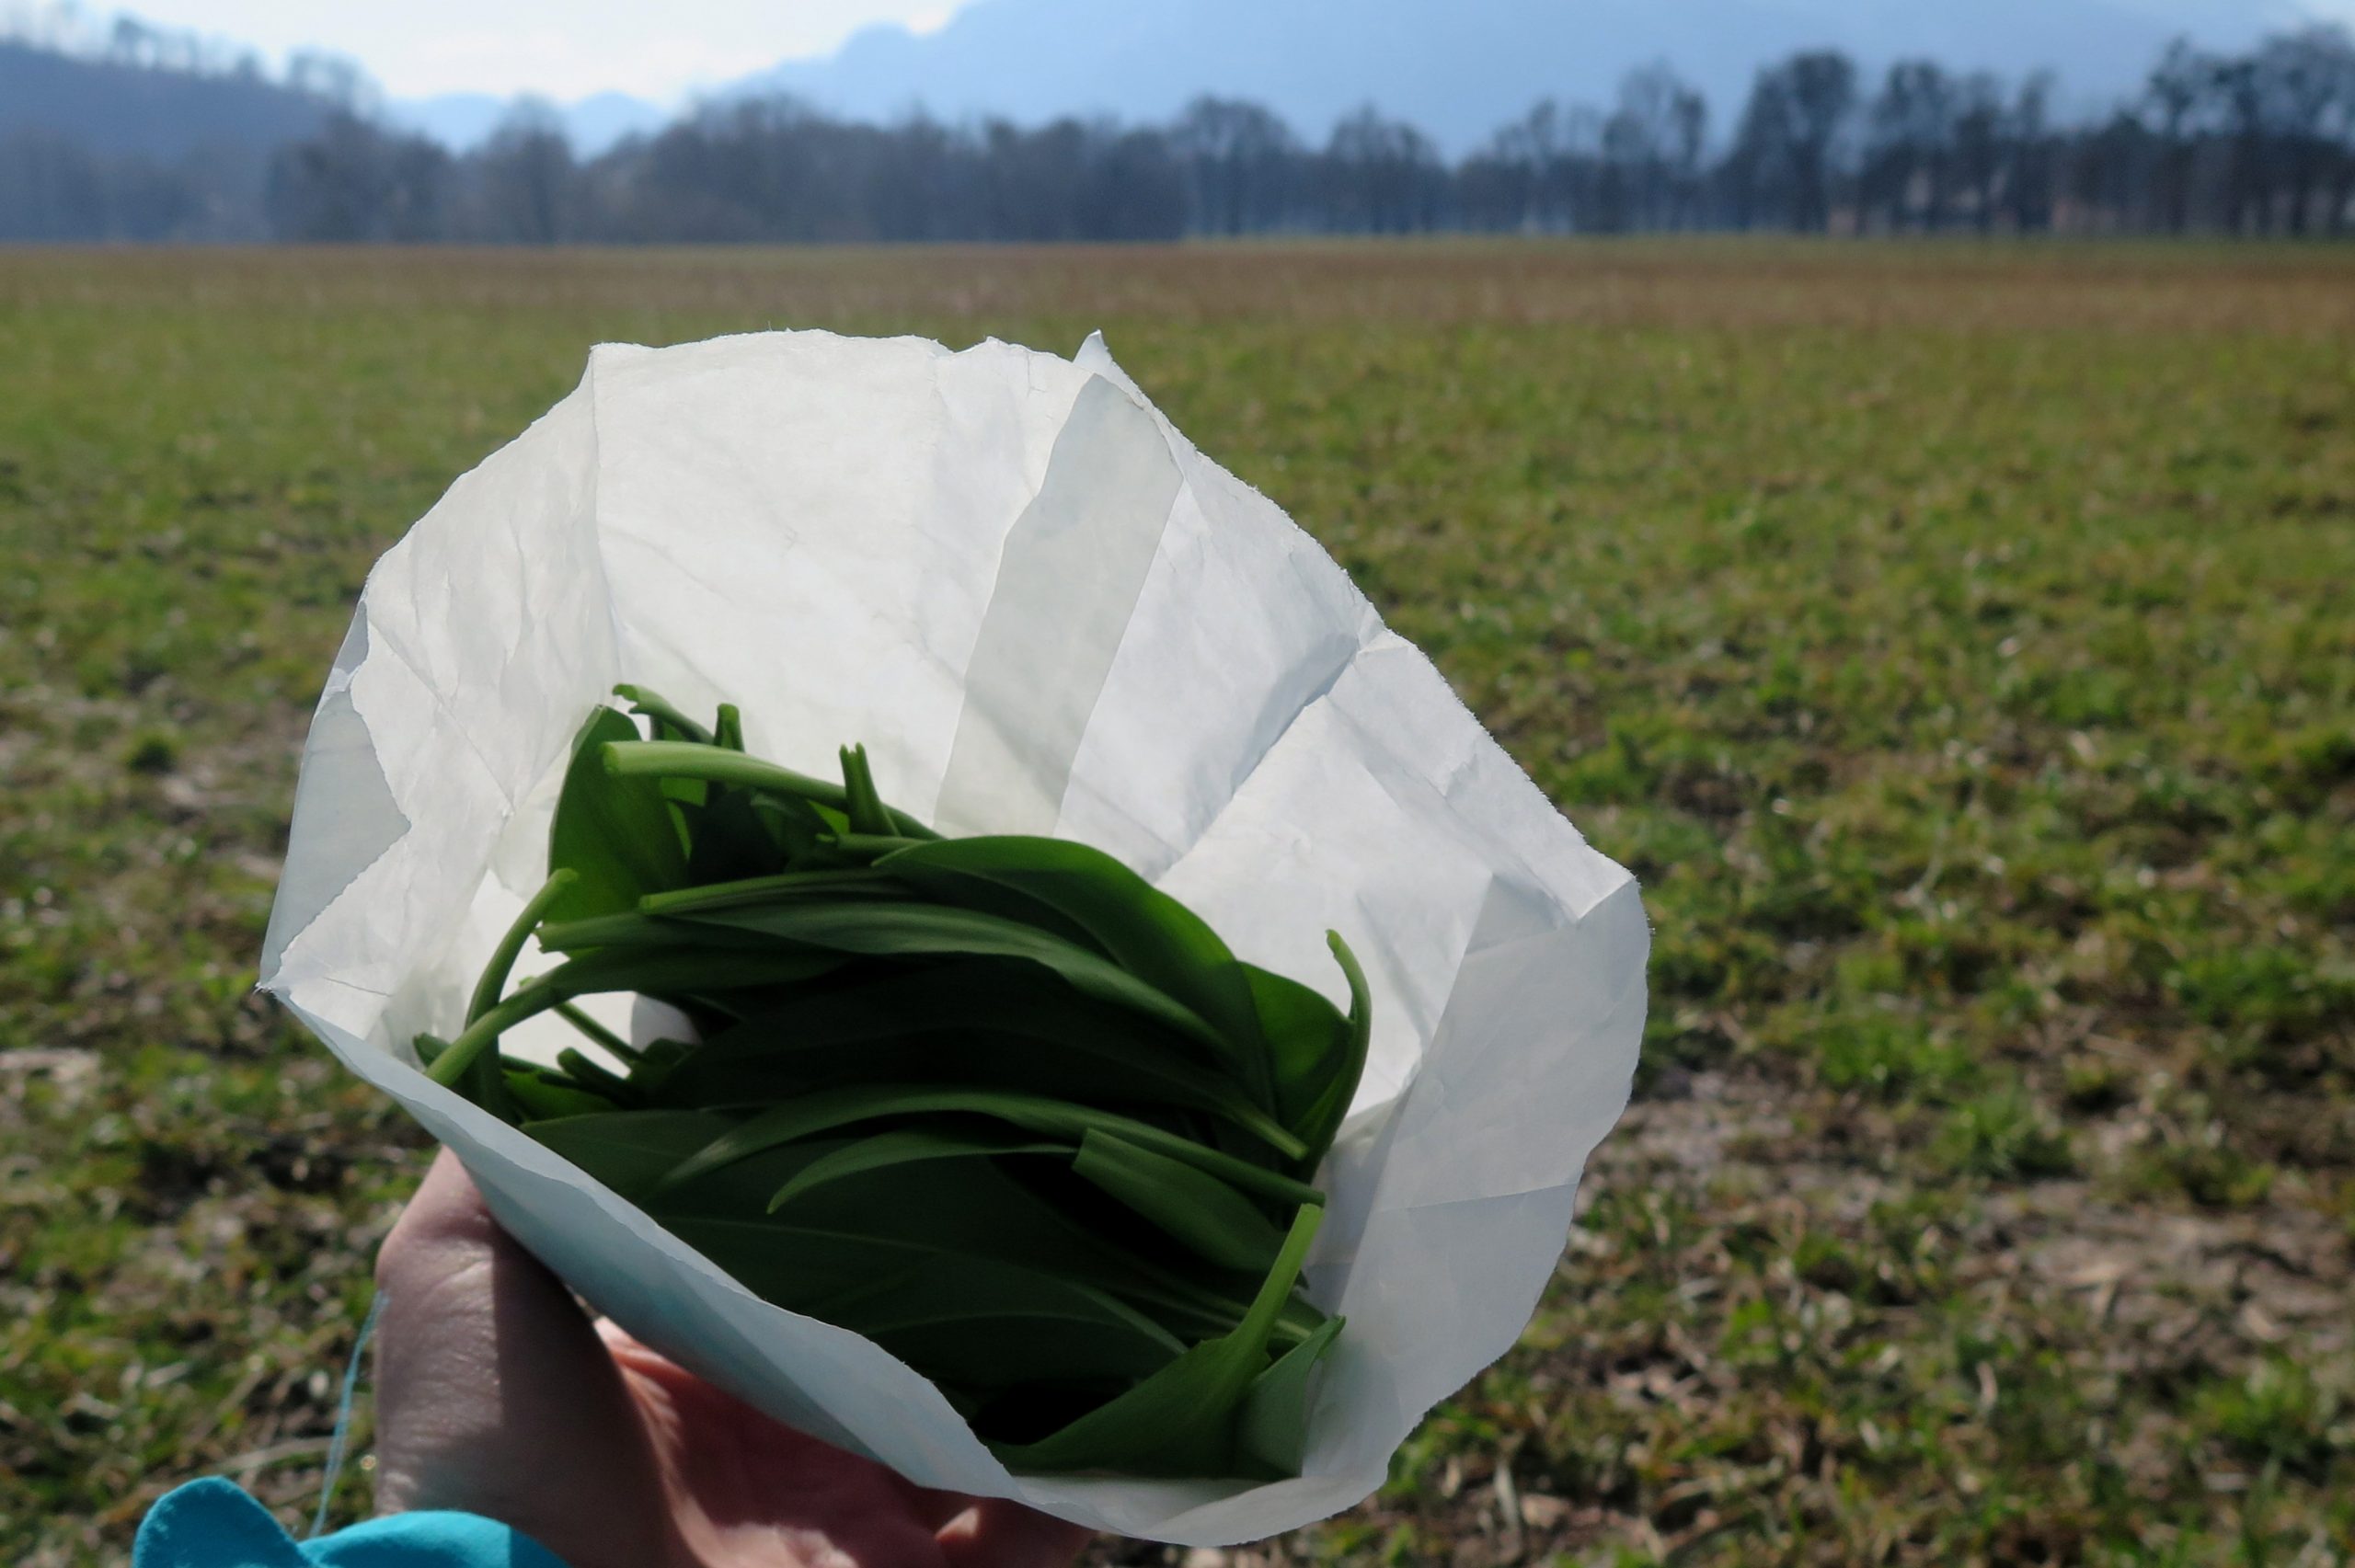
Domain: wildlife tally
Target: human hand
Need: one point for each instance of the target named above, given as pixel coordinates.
(497, 1395)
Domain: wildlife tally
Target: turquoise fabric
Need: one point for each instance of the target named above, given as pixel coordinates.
(212, 1524)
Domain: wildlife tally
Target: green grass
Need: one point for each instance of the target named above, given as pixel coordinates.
(1956, 642)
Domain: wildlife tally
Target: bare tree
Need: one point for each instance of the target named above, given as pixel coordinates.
(2028, 157)
(2178, 94)
(1784, 154)
(1383, 176)
(355, 182)
(1651, 145)
(2299, 80)
(523, 180)
(1909, 132)
(1240, 160)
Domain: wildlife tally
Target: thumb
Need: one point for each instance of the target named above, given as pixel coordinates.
(494, 1394)
(996, 1533)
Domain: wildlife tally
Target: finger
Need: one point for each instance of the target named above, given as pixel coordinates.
(994, 1533)
(495, 1394)
(938, 1509)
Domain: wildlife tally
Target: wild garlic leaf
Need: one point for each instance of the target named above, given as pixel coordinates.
(903, 1145)
(628, 1150)
(991, 1325)
(1271, 1435)
(543, 1097)
(1203, 1213)
(996, 1102)
(1180, 1421)
(836, 1108)
(669, 722)
(965, 1021)
(907, 929)
(1140, 928)
(615, 835)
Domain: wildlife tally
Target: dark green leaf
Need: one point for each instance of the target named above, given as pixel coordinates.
(658, 972)
(903, 1145)
(835, 1108)
(629, 1151)
(905, 929)
(502, 958)
(1200, 1211)
(977, 1021)
(615, 834)
(1324, 1117)
(1141, 928)
(1182, 1420)
(621, 1049)
(541, 1096)
(1273, 1434)
(666, 758)
(987, 1325)
(861, 803)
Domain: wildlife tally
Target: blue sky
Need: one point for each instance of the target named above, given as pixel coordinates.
(569, 49)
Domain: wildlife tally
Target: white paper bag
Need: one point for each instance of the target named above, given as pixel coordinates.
(1042, 612)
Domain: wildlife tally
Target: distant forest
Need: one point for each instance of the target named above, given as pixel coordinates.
(2258, 144)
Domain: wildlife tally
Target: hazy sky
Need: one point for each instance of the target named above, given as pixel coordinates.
(564, 48)
(568, 49)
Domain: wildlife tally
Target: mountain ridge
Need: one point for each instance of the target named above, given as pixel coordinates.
(1459, 68)
(118, 111)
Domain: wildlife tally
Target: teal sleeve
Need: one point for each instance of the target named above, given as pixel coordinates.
(212, 1524)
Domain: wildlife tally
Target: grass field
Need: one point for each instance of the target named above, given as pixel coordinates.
(1958, 642)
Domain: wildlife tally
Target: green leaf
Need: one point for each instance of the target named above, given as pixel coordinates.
(861, 803)
(998, 1103)
(1324, 1117)
(511, 945)
(629, 758)
(592, 1076)
(886, 928)
(659, 972)
(1272, 1433)
(1141, 928)
(835, 1108)
(868, 847)
(731, 841)
(541, 1096)
(670, 723)
(976, 1021)
(615, 835)
(846, 1233)
(985, 1325)
(826, 882)
(621, 1049)
(728, 733)
(1317, 1053)
(1200, 1211)
(633, 932)
(629, 1151)
(485, 1083)
(1182, 1420)
(903, 1145)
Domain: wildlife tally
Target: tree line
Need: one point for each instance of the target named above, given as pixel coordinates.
(2252, 144)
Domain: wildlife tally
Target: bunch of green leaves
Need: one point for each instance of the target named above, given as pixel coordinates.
(996, 1102)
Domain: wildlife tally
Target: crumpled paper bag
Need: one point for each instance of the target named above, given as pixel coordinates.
(1043, 611)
